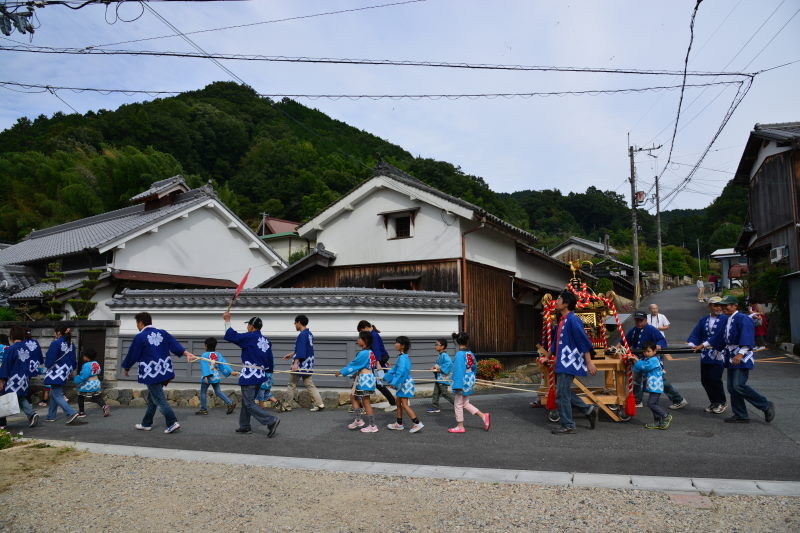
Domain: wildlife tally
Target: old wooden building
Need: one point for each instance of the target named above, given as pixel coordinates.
(395, 232)
(770, 167)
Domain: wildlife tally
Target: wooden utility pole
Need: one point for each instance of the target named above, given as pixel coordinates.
(637, 291)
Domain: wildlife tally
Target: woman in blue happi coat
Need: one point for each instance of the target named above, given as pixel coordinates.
(399, 377)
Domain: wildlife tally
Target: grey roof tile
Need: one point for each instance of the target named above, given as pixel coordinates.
(285, 298)
(94, 232)
(159, 187)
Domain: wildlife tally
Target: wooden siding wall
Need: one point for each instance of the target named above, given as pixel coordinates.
(773, 197)
(490, 308)
(434, 275)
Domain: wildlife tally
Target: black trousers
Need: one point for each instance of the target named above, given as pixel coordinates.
(386, 393)
(97, 398)
(711, 379)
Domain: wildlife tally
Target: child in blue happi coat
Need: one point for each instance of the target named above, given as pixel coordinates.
(61, 363)
(211, 373)
(441, 373)
(363, 383)
(650, 368)
(88, 381)
(464, 368)
(399, 378)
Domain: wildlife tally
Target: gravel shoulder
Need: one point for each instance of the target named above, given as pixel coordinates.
(114, 493)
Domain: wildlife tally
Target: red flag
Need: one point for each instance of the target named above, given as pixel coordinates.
(241, 285)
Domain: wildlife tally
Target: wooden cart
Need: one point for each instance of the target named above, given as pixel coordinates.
(611, 362)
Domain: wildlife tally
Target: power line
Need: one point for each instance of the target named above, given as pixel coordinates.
(587, 92)
(377, 62)
(273, 21)
(773, 38)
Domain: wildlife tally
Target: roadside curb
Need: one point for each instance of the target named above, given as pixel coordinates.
(490, 475)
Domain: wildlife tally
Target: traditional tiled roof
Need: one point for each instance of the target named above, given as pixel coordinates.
(94, 232)
(303, 298)
(596, 246)
(783, 133)
(162, 188)
(319, 256)
(70, 282)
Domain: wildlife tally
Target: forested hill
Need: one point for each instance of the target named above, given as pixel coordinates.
(263, 156)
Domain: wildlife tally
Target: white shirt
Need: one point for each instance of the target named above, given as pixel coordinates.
(659, 320)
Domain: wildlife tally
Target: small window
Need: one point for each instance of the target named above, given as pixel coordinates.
(402, 227)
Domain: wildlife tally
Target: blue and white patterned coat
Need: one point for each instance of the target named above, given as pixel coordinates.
(87, 381)
(60, 361)
(703, 331)
(14, 369)
(36, 359)
(464, 367)
(256, 351)
(570, 345)
(364, 360)
(399, 377)
(304, 351)
(445, 364)
(651, 367)
(214, 372)
(736, 335)
(151, 349)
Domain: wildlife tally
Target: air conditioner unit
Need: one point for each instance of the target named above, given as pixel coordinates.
(778, 254)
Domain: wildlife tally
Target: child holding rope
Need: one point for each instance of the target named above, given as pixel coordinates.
(211, 374)
(364, 383)
(399, 377)
(650, 367)
(441, 373)
(464, 368)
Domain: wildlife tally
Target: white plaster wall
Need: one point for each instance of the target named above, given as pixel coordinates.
(328, 322)
(769, 150)
(101, 311)
(286, 246)
(359, 236)
(199, 245)
(540, 271)
(490, 247)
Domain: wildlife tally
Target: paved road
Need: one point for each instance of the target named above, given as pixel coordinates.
(697, 445)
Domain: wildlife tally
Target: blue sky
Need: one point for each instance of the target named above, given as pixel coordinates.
(567, 142)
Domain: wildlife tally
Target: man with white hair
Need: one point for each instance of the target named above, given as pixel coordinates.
(657, 320)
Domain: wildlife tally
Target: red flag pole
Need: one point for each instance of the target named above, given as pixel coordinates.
(238, 290)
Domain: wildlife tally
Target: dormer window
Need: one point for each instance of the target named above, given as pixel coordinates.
(399, 224)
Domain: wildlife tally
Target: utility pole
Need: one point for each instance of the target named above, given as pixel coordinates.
(699, 265)
(658, 230)
(637, 294)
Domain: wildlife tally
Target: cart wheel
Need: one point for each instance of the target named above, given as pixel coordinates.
(553, 416)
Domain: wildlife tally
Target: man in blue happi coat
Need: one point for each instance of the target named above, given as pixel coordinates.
(573, 353)
(736, 339)
(640, 334)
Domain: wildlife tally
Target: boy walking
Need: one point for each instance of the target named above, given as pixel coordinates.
(441, 373)
(303, 362)
(650, 368)
(211, 374)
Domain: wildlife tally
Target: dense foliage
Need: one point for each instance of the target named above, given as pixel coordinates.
(284, 159)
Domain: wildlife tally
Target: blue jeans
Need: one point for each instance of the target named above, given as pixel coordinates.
(566, 399)
(652, 402)
(217, 391)
(57, 400)
(741, 391)
(156, 399)
(249, 407)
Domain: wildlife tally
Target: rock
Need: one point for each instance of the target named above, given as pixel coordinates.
(527, 373)
(425, 393)
(344, 398)
(219, 403)
(124, 396)
(330, 399)
(138, 402)
(304, 399)
(144, 393)
(112, 403)
(194, 401)
(172, 403)
(182, 403)
(112, 394)
(188, 394)
(136, 393)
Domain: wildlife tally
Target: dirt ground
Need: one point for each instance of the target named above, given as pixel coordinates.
(31, 460)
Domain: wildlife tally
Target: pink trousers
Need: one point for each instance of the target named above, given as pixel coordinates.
(461, 403)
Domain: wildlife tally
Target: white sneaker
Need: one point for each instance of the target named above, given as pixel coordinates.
(416, 427)
(639, 404)
(355, 424)
(143, 428)
(381, 405)
(390, 409)
(173, 428)
(710, 408)
(683, 403)
(396, 426)
(718, 410)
